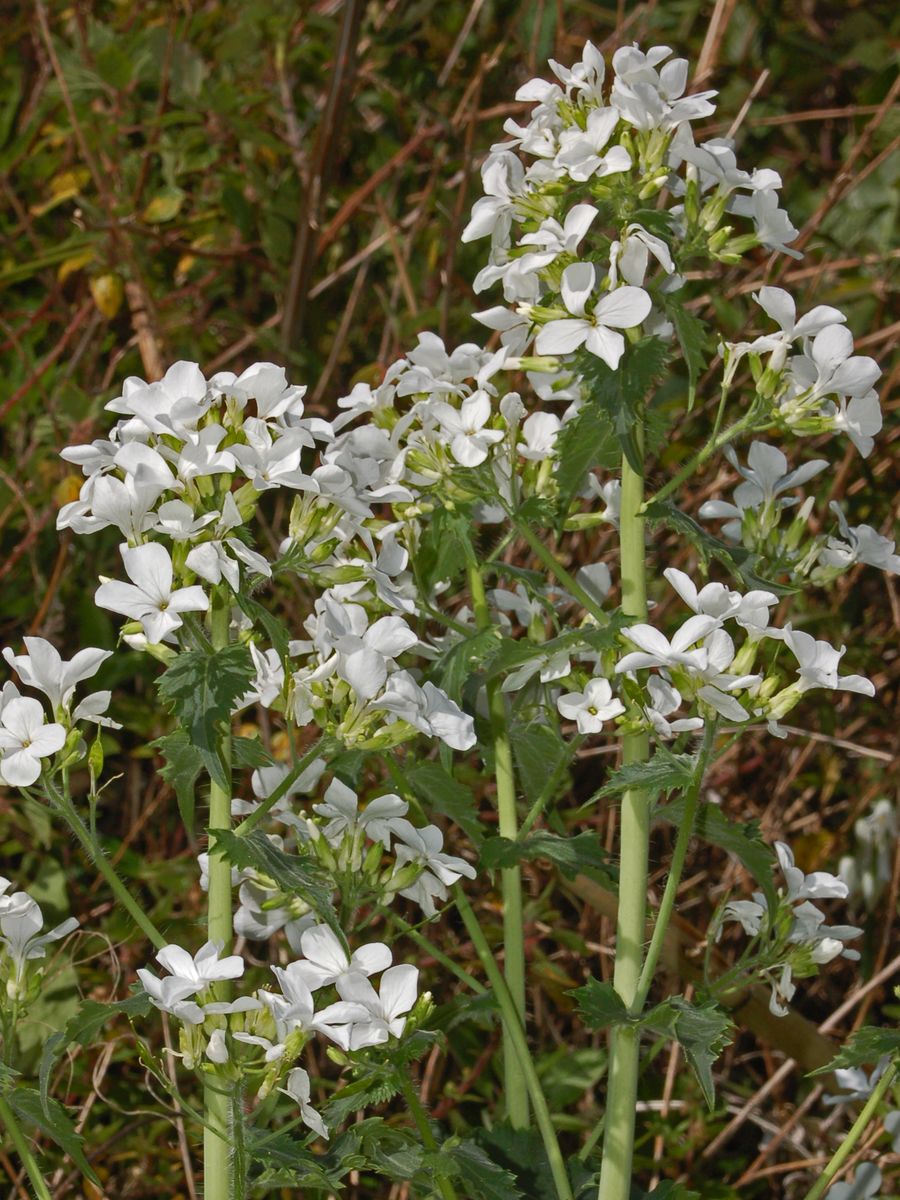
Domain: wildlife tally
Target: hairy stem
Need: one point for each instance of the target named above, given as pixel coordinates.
(746, 423)
(417, 1111)
(216, 1097)
(634, 841)
(510, 877)
(23, 1149)
(519, 1043)
(858, 1128)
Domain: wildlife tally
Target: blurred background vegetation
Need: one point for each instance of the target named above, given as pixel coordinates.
(273, 180)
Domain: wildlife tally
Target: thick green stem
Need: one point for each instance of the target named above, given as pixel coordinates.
(510, 877)
(417, 1111)
(519, 1044)
(23, 1149)
(634, 841)
(217, 1170)
(97, 856)
(858, 1128)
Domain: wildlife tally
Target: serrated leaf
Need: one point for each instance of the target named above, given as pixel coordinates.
(376, 1083)
(292, 873)
(53, 1120)
(483, 1179)
(443, 794)
(865, 1048)
(454, 668)
(744, 841)
(276, 631)
(183, 765)
(539, 753)
(702, 1030)
(622, 393)
(201, 689)
(691, 334)
(249, 752)
(737, 560)
(588, 440)
(513, 653)
(600, 1005)
(522, 1153)
(573, 855)
(663, 773)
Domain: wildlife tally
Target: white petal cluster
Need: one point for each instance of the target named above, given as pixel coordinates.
(797, 940)
(21, 939)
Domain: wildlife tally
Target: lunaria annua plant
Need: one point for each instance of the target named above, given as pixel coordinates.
(421, 647)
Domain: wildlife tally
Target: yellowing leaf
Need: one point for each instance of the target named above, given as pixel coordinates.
(183, 267)
(64, 186)
(107, 291)
(73, 264)
(164, 206)
(67, 490)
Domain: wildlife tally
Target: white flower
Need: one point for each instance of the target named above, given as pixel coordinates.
(24, 740)
(440, 871)
(665, 700)
(860, 418)
(377, 820)
(631, 258)
(502, 177)
(553, 239)
(268, 683)
(590, 708)
(655, 649)
(177, 520)
(149, 598)
(861, 544)
(581, 152)
(621, 309)
(470, 441)
(651, 99)
(539, 431)
(428, 709)
(216, 1047)
(44, 669)
(180, 396)
(751, 611)
(866, 1183)
(773, 225)
(779, 305)
(818, 665)
(767, 476)
(326, 961)
(294, 1010)
(21, 922)
(298, 1088)
(385, 1009)
(820, 885)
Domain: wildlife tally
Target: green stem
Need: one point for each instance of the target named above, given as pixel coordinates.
(217, 1166)
(95, 853)
(634, 841)
(858, 1128)
(417, 1111)
(520, 1045)
(438, 955)
(510, 877)
(20, 1142)
(555, 567)
(667, 904)
(744, 425)
(322, 748)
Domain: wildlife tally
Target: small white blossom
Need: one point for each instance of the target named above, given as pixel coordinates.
(150, 598)
(590, 708)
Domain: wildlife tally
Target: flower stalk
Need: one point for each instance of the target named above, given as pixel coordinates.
(511, 877)
(216, 1097)
(618, 1139)
(22, 1148)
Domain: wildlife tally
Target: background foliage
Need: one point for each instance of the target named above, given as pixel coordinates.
(228, 183)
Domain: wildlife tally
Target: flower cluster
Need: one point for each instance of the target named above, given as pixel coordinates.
(792, 939)
(281, 1022)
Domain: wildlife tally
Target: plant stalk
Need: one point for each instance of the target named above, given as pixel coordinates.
(217, 1167)
(510, 877)
(562, 1186)
(22, 1148)
(420, 1117)
(634, 841)
(856, 1131)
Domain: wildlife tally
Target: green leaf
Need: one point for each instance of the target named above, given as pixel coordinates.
(622, 393)
(865, 1048)
(165, 206)
(539, 753)
(522, 1153)
(249, 752)
(513, 653)
(292, 873)
(441, 793)
(702, 1030)
(600, 1005)
(276, 631)
(667, 1190)
(201, 690)
(375, 1083)
(483, 1179)
(184, 762)
(742, 840)
(573, 855)
(663, 773)
(691, 334)
(457, 666)
(53, 1120)
(737, 560)
(588, 440)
